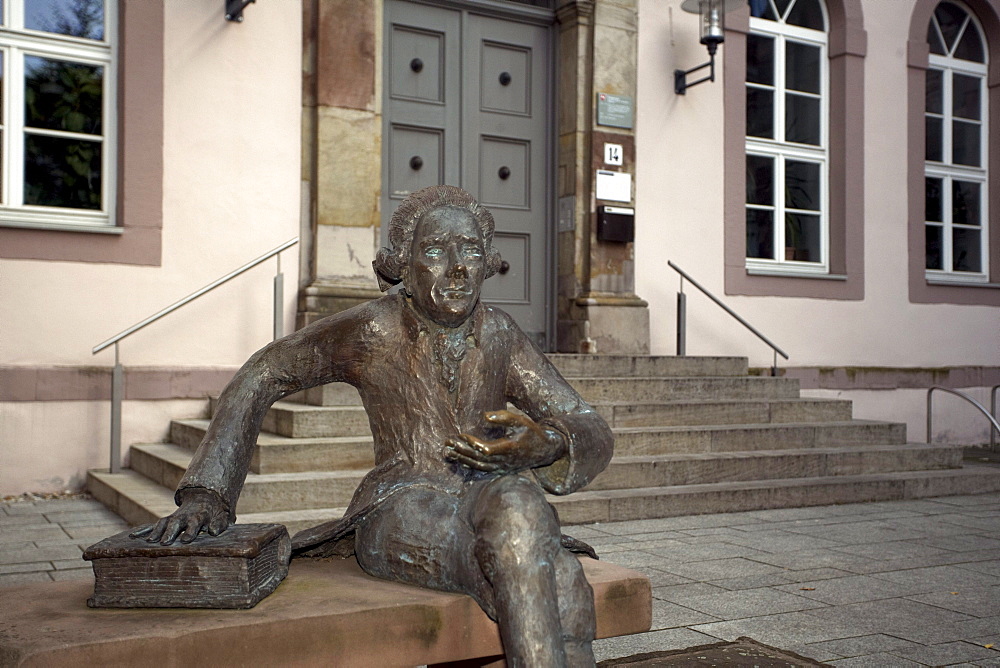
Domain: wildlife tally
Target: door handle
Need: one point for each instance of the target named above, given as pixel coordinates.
(504, 173)
(416, 65)
(416, 162)
(504, 267)
(505, 78)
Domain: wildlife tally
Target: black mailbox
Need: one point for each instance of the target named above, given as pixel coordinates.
(615, 223)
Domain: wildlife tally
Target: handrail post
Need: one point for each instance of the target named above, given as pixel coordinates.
(279, 299)
(930, 420)
(681, 321)
(774, 364)
(993, 410)
(117, 386)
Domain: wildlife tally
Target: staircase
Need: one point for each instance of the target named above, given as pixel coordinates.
(692, 435)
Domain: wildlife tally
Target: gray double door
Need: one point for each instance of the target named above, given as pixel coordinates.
(467, 103)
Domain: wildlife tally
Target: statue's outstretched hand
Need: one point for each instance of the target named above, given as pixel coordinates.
(525, 445)
(200, 510)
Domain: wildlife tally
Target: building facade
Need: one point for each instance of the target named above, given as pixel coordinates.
(836, 185)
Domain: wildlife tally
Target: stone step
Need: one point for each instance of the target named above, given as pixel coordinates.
(576, 366)
(572, 366)
(695, 413)
(666, 470)
(736, 438)
(281, 454)
(654, 502)
(296, 420)
(139, 501)
(598, 390)
(134, 497)
(165, 464)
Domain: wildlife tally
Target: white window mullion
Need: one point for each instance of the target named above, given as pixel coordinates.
(15, 129)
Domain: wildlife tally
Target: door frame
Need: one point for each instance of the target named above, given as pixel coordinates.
(538, 16)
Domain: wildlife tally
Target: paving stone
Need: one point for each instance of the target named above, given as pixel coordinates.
(17, 546)
(635, 559)
(947, 653)
(668, 615)
(718, 568)
(891, 550)
(900, 617)
(30, 519)
(754, 581)
(655, 641)
(658, 578)
(677, 552)
(672, 523)
(875, 661)
(32, 533)
(979, 602)
(83, 518)
(778, 541)
(749, 603)
(682, 592)
(851, 589)
(11, 579)
(808, 559)
(961, 543)
(29, 567)
(790, 628)
(75, 574)
(97, 531)
(27, 555)
(70, 564)
(940, 578)
(991, 567)
(863, 645)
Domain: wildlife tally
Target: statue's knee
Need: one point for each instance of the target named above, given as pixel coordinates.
(514, 500)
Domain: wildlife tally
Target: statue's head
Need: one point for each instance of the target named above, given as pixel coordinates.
(441, 249)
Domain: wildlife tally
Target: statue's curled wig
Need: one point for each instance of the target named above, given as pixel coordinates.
(390, 260)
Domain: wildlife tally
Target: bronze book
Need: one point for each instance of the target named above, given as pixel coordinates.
(234, 570)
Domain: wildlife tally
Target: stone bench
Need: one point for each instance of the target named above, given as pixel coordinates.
(326, 612)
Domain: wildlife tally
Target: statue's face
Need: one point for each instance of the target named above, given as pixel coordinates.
(447, 265)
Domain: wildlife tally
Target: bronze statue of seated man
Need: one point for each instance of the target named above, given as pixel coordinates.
(445, 506)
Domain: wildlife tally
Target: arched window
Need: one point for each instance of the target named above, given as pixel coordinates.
(956, 129)
(794, 146)
(786, 135)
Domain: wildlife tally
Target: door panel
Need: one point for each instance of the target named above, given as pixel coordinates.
(475, 110)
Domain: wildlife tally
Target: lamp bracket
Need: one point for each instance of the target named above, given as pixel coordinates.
(680, 76)
(234, 9)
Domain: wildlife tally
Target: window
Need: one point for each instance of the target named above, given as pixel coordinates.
(955, 150)
(787, 208)
(57, 129)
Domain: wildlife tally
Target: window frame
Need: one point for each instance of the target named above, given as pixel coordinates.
(847, 47)
(930, 287)
(782, 150)
(17, 43)
(947, 170)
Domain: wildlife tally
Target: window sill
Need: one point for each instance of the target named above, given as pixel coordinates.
(961, 284)
(92, 228)
(787, 273)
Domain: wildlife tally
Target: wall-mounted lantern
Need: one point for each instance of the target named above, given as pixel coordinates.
(712, 14)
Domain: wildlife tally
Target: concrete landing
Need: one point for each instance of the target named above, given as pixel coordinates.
(326, 612)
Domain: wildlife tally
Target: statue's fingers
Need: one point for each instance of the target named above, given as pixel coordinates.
(191, 532)
(477, 464)
(466, 448)
(141, 531)
(173, 529)
(507, 419)
(218, 524)
(156, 531)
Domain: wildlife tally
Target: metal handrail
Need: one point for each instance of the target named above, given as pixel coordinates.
(994, 427)
(118, 374)
(682, 318)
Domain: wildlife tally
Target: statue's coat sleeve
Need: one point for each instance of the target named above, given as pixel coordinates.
(326, 351)
(536, 387)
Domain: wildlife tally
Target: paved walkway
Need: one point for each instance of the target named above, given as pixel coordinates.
(907, 583)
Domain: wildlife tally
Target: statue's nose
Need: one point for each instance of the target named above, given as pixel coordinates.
(457, 266)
